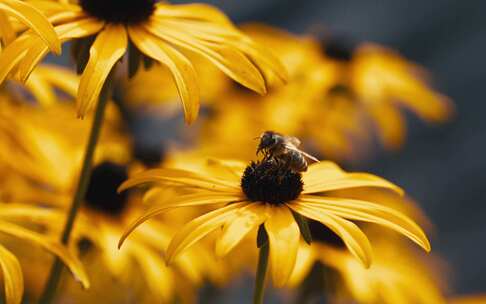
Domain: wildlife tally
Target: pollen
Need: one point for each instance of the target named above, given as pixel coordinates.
(269, 182)
(119, 11)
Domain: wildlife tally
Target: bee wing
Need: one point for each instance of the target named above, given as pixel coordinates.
(293, 140)
(307, 155)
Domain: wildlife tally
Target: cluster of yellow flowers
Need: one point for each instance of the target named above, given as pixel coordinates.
(209, 211)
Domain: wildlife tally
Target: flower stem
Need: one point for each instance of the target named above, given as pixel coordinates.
(261, 273)
(57, 267)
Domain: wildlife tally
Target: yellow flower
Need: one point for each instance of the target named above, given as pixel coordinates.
(159, 31)
(268, 194)
(11, 217)
(40, 162)
(382, 82)
(30, 17)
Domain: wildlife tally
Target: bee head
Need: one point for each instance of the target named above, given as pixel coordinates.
(268, 139)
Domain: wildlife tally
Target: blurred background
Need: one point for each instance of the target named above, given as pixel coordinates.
(442, 167)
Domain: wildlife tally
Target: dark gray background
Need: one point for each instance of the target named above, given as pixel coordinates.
(443, 167)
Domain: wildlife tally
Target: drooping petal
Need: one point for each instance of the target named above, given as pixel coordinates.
(369, 212)
(50, 245)
(178, 176)
(12, 55)
(180, 67)
(178, 202)
(12, 277)
(199, 228)
(229, 60)
(110, 45)
(284, 235)
(390, 124)
(75, 29)
(245, 220)
(355, 240)
(35, 20)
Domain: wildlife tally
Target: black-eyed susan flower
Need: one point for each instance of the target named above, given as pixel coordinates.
(40, 167)
(268, 194)
(382, 82)
(13, 218)
(105, 30)
(31, 18)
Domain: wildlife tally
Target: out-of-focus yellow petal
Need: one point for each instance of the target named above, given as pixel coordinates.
(184, 201)
(199, 228)
(59, 77)
(181, 68)
(12, 277)
(158, 276)
(246, 219)
(369, 212)
(183, 177)
(35, 20)
(230, 61)
(283, 235)
(50, 245)
(390, 124)
(110, 45)
(355, 240)
(41, 90)
(7, 32)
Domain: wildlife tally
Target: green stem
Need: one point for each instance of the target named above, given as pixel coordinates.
(261, 273)
(56, 270)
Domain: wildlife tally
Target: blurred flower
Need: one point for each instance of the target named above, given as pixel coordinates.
(383, 82)
(30, 17)
(146, 28)
(265, 193)
(11, 217)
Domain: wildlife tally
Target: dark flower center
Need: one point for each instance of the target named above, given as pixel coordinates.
(101, 194)
(150, 155)
(320, 233)
(338, 48)
(119, 11)
(267, 181)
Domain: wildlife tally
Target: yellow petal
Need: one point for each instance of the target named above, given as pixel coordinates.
(303, 264)
(199, 228)
(75, 29)
(192, 11)
(41, 90)
(355, 240)
(229, 60)
(180, 67)
(34, 19)
(183, 177)
(12, 277)
(390, 124)
(159, 278)
(245, 220)
(181, 201)
(50, 245)
(7, 32)
(12, 55)
(59, 77)
(370, 212)
(110, 45)
(284, 235)
(349, 180)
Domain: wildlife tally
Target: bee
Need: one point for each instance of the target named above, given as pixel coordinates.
(284, 149)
